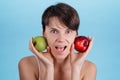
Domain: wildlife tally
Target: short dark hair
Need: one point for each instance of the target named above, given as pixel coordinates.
(65, 13)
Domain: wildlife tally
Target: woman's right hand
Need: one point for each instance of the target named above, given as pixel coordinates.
(45, 57)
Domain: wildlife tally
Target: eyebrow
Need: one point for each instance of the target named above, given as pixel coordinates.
(59, 28)
(52, 28)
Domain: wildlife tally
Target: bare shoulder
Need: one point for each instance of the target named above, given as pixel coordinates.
(89, 70)
(29, 60)
(90, 65)
(27, 67)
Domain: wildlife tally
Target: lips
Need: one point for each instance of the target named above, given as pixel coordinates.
(60, 48)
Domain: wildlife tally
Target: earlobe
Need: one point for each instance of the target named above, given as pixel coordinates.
(43, 33)
(76, 34)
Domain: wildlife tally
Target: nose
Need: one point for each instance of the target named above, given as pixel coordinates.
(61, 38)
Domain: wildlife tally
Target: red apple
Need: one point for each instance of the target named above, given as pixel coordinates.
(81, 43)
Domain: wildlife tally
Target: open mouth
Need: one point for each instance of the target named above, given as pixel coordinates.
(60, 48)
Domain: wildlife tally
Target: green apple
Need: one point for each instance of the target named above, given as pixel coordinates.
(40, 43)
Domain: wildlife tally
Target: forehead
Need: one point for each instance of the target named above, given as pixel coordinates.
(54, 22)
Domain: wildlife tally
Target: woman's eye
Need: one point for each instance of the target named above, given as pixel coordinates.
(68, 31)
(53, 31)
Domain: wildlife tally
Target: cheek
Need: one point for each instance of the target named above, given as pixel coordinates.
(71, 39)
(50, 40)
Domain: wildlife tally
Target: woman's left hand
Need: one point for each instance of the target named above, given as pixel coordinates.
(78, 58)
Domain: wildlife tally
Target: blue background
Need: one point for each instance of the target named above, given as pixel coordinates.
(21, 19)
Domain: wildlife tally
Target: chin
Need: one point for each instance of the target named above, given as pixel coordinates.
(62, 55)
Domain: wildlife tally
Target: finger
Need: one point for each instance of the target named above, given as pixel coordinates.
(84, 54)
(31, 45)
(90, 44)
(89, 47)
(72, 50)
(48, 49)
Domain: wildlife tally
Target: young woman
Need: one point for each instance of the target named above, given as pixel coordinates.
(60, 27)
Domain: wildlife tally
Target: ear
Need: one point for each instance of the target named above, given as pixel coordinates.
(76, 35)
(43, 33)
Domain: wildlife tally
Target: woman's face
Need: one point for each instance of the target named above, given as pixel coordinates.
(59, 38)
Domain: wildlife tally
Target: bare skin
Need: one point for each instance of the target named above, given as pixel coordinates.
(56, 63)
(29, 70)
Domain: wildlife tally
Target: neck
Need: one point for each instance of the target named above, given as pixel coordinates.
(59, 61)
(62, 62)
